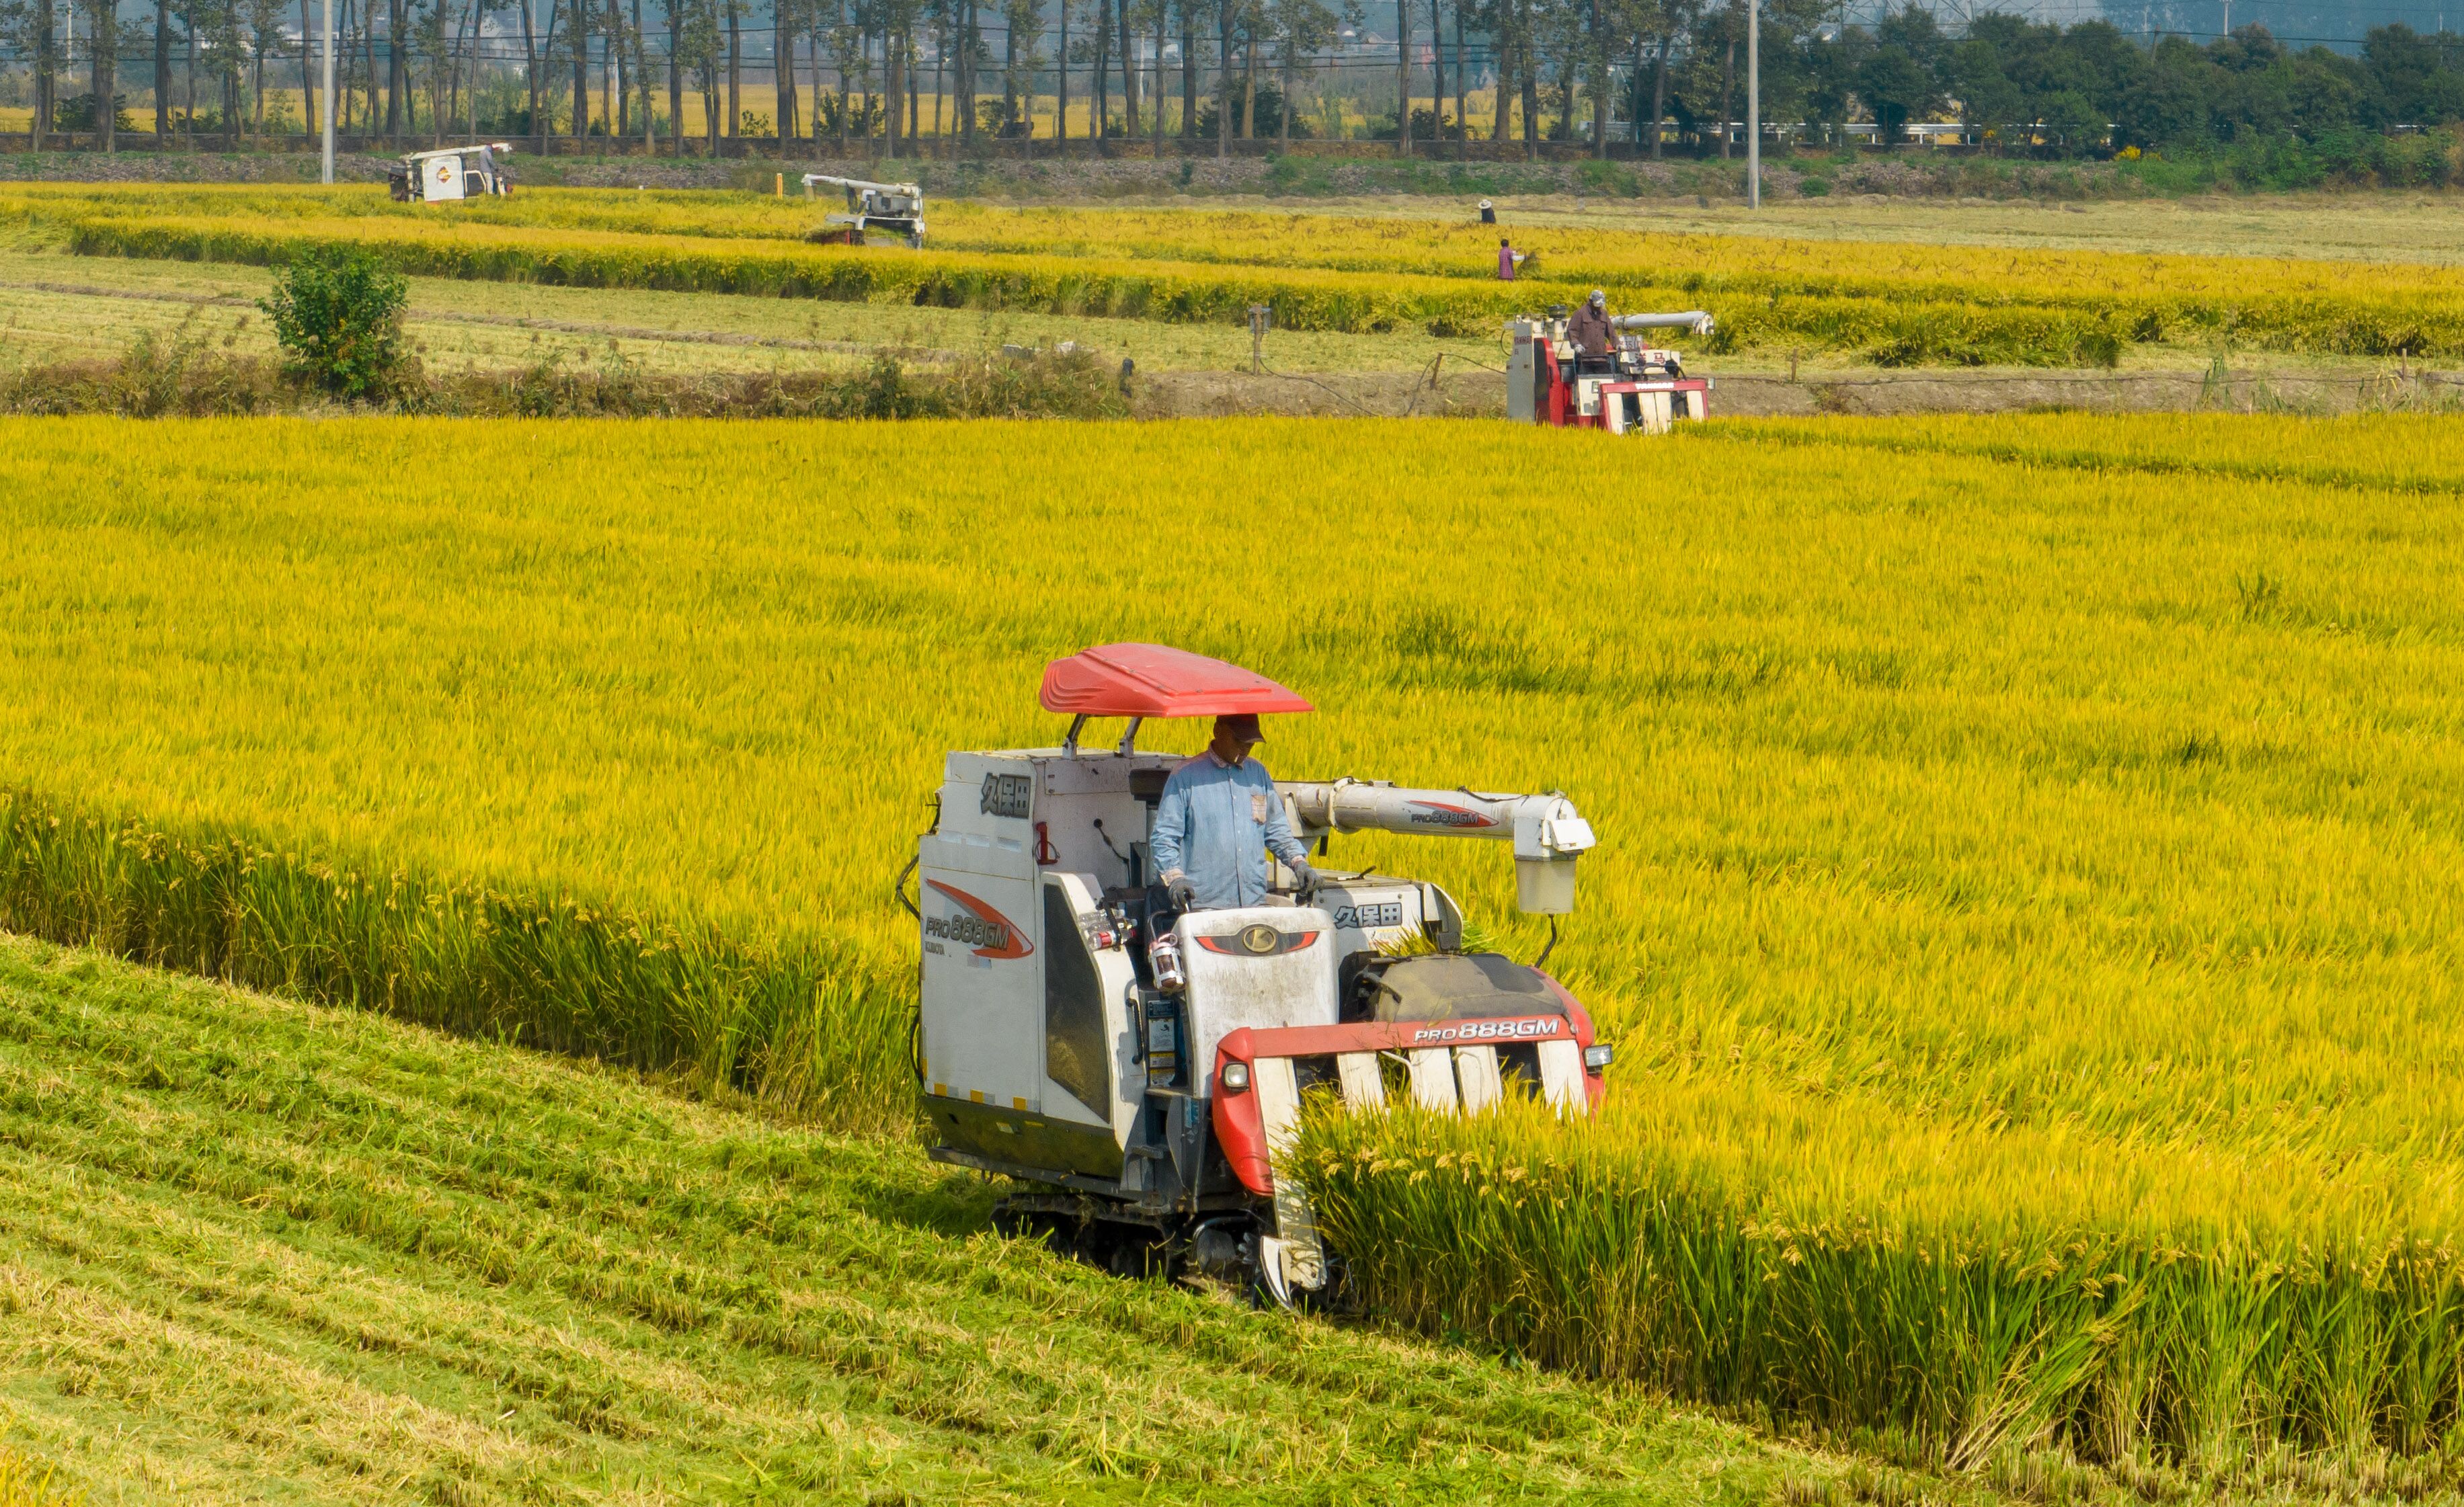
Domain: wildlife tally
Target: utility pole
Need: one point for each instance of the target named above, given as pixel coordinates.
(329, 92)
(1753, 103)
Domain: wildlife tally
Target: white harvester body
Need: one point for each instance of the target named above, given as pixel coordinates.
(1145, 1103)
(897, 207)
(452, 173)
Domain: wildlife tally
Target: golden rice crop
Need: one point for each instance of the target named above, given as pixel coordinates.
(2028, 844)
(1905, 303)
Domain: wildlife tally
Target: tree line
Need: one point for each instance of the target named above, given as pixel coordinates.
(1653, 75)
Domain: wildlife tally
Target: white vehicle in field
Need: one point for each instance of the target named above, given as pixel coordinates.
(450, 173)
(1141, 1067)
(896, 208)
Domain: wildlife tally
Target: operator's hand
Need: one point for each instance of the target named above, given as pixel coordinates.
(1304, 878)
(1184, 894)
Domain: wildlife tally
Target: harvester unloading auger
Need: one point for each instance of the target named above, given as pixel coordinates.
(1144, 1066)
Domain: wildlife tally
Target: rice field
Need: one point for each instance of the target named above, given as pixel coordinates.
(2029, 845)
(1912, 303)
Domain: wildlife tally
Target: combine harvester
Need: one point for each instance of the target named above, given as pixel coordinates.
(450, 173)
(1145, 1066)
(897, 207)
(1634, 389)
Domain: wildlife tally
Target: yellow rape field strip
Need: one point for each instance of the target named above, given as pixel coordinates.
(2025, 906)
(1900, 304)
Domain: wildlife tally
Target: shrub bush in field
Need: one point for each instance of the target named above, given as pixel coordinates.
(337, 311)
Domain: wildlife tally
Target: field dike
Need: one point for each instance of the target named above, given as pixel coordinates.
(806, 1028)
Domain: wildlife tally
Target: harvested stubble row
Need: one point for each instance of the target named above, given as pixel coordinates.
(2030, 844)
(253, 1250)
(1902, 304)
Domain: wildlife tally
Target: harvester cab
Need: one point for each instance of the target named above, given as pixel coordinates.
(1141, 1069)
(897, 207)
(450, 173)
(1634, 389)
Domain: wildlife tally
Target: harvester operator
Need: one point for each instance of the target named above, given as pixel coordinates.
(1589, 328)
(1218, 816)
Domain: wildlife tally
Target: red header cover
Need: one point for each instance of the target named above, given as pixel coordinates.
(1148, 680)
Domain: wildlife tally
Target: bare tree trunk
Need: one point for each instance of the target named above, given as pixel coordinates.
(1284, 125)
(1249, 80)
(455, 63)
(1188, 69)
(1462, 107)
(1660, 93)
(615, 98)
(734, 68)
(1224, 81)
(675, 74)
(581, 70)
(642, 83)
(970, 45)
(1727, 87)
(894, 61)
(1103, 77)
(530, 76)
(45, 24)
(612, 68)
(1599, 61)
(1061, 84)
(1505, 107)
(163, 66)
(1530, 81)
(1402, 78)
(838, 66)
(1128, 73)
(817, 82)
(102, 49)
(782, 72)
(309, 119)
(393, 66)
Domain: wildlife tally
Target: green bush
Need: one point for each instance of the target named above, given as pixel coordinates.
(337, 311)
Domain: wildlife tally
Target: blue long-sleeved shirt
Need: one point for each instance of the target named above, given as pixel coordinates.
(1215, 823)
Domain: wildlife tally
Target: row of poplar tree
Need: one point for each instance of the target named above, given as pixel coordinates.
(1587, 70)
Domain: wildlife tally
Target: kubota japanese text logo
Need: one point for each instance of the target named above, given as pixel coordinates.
(976, 926)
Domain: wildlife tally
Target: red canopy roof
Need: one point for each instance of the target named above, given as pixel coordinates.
(1147, 680)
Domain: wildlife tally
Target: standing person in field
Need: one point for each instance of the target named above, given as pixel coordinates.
(1589, 328)
(1218, 817)
(1507, 259)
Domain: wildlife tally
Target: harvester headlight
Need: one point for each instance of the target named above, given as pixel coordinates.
(1235, 1078)
(1595, 1058)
